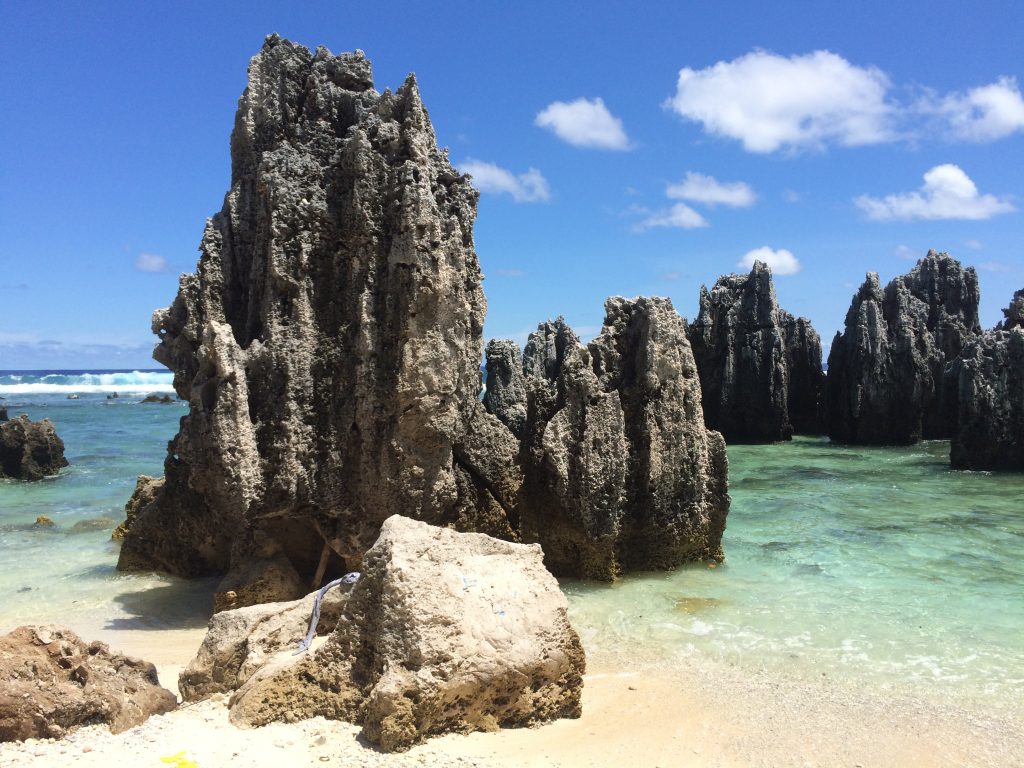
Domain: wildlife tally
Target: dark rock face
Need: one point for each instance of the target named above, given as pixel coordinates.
(988, 381)
(760, 368)
(30, 450)
(1013, 314)
(506, 390)
(885, 371)
(619, 471)
(54, 682)
(328, 343)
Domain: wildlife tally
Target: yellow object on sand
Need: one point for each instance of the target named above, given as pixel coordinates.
(179, 761)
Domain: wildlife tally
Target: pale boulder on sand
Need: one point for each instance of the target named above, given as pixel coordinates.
(444, 632)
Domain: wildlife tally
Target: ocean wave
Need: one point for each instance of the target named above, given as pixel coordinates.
(84, 389)
(57, 382)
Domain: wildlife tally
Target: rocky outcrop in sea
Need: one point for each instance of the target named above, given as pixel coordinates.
(619, 470)
(328, 345)
(760, 367)
(987, 381)
(886, 369)
(30, 450)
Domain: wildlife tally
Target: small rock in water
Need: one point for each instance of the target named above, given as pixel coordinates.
(43, 520)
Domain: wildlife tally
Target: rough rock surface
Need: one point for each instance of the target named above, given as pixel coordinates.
(444, 632)
(54, 682)
(1013, 315)
(328, 343)
(3, 414)
(30, 450)
(145, 493)
(505, 396)
(760, 367)
(885, 371)
(620, 472)
(239, 642)
(988, 378)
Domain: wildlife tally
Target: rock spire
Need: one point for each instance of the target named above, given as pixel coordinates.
(760, 367)
(885, 370)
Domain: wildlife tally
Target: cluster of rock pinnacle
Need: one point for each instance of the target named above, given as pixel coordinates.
(329, 345)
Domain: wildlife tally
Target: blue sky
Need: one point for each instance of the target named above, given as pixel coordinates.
(621, 149)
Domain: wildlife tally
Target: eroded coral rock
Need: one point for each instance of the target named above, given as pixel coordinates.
(443, 632)
(760, 367)
(30, 450)
(620, 472)
(239, 642)
(54, 682)
(885, 371)
(988, 377)
(329, 341)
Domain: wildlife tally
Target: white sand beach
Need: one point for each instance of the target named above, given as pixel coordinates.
(704, 714)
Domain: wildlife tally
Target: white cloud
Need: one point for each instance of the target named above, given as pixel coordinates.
(781, 262)
(986, 113)
(510, 272)
(150, 262)
(974, 245)
(679, 215)
(584, 123)
(529, 187)
(947, 193)
(908, 253)
(768, 101)
(791, 196)
(698, 188)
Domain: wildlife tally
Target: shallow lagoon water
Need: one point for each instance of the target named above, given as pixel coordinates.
(875, 566)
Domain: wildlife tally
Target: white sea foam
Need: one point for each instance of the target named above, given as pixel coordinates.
(121, 382)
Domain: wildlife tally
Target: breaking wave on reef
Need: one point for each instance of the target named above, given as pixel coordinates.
(84, 382)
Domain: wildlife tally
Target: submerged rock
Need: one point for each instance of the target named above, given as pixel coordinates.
(620, 472)
(30, 450)
(443, 632)
(53, 682)
(988, 378)
(885, 371)
(328, 343)
(760, 367)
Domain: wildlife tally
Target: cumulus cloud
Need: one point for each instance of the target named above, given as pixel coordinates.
(947, 193)
(781, 261)
(768, 101)
(986, 113)
(698, 188)
(150, 262)
(529, 187)
(680, 216)
(584, 123)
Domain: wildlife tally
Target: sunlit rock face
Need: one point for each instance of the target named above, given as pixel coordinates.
(328, 342)
(620, 472)
(886, 370)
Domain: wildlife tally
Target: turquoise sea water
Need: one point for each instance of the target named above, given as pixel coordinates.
(878, 566)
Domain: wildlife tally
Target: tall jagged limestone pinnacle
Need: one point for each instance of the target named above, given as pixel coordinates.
(886, 370)
(620, 472)
(760, 367)
(328, 342)
(986, 382)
